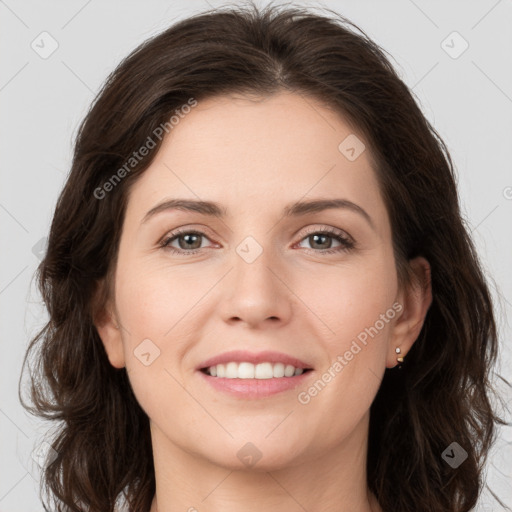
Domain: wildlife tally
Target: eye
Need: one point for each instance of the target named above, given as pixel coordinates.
(189, 241)
(322, 239)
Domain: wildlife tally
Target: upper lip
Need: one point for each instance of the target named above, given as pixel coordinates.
(240, 356)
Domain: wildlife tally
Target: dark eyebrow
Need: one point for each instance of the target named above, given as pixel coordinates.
(292, 210)
(318, 205)
(203, 207)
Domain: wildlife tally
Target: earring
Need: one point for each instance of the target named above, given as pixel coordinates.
(399, 359)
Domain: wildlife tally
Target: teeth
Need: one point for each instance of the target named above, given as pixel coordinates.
(244, 370)
(278, 370)
(233, 370)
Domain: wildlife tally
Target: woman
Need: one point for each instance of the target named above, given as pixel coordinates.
(261, 291)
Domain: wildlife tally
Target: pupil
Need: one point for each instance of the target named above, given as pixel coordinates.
(187, 238)
(315, 237)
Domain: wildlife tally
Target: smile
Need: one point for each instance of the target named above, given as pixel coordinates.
(246, 370)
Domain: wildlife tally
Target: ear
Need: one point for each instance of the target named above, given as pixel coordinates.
(415, 299)
(107, 325)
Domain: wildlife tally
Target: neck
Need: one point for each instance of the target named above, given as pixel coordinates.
(335, 481)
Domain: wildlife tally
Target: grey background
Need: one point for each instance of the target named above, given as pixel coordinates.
(468, 99)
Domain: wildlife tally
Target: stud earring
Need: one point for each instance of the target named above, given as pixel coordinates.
(399, 359)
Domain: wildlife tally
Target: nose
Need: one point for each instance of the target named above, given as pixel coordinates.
(256, 293)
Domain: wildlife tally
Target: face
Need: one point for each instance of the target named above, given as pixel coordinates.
(316, 287)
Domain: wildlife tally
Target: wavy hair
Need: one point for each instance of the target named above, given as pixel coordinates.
(444, 391)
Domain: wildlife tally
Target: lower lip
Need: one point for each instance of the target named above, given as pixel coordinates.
(255, 388)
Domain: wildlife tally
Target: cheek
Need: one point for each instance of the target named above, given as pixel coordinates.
(153, 310)
(153, 302)
(348, 298)
(357, 313)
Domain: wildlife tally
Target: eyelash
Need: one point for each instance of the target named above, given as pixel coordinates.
(346, 243)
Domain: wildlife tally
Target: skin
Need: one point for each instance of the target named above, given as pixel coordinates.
(254, 156)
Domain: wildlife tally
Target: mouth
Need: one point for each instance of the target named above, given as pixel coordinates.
(248, 375)
(260, 371)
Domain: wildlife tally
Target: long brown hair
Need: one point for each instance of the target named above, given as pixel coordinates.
(444, 391)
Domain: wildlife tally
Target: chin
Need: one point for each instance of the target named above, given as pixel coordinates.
(258, 455)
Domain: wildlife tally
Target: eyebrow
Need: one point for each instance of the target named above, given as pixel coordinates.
(292, 210)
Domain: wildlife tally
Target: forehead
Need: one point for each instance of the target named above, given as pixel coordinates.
(254, 151)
